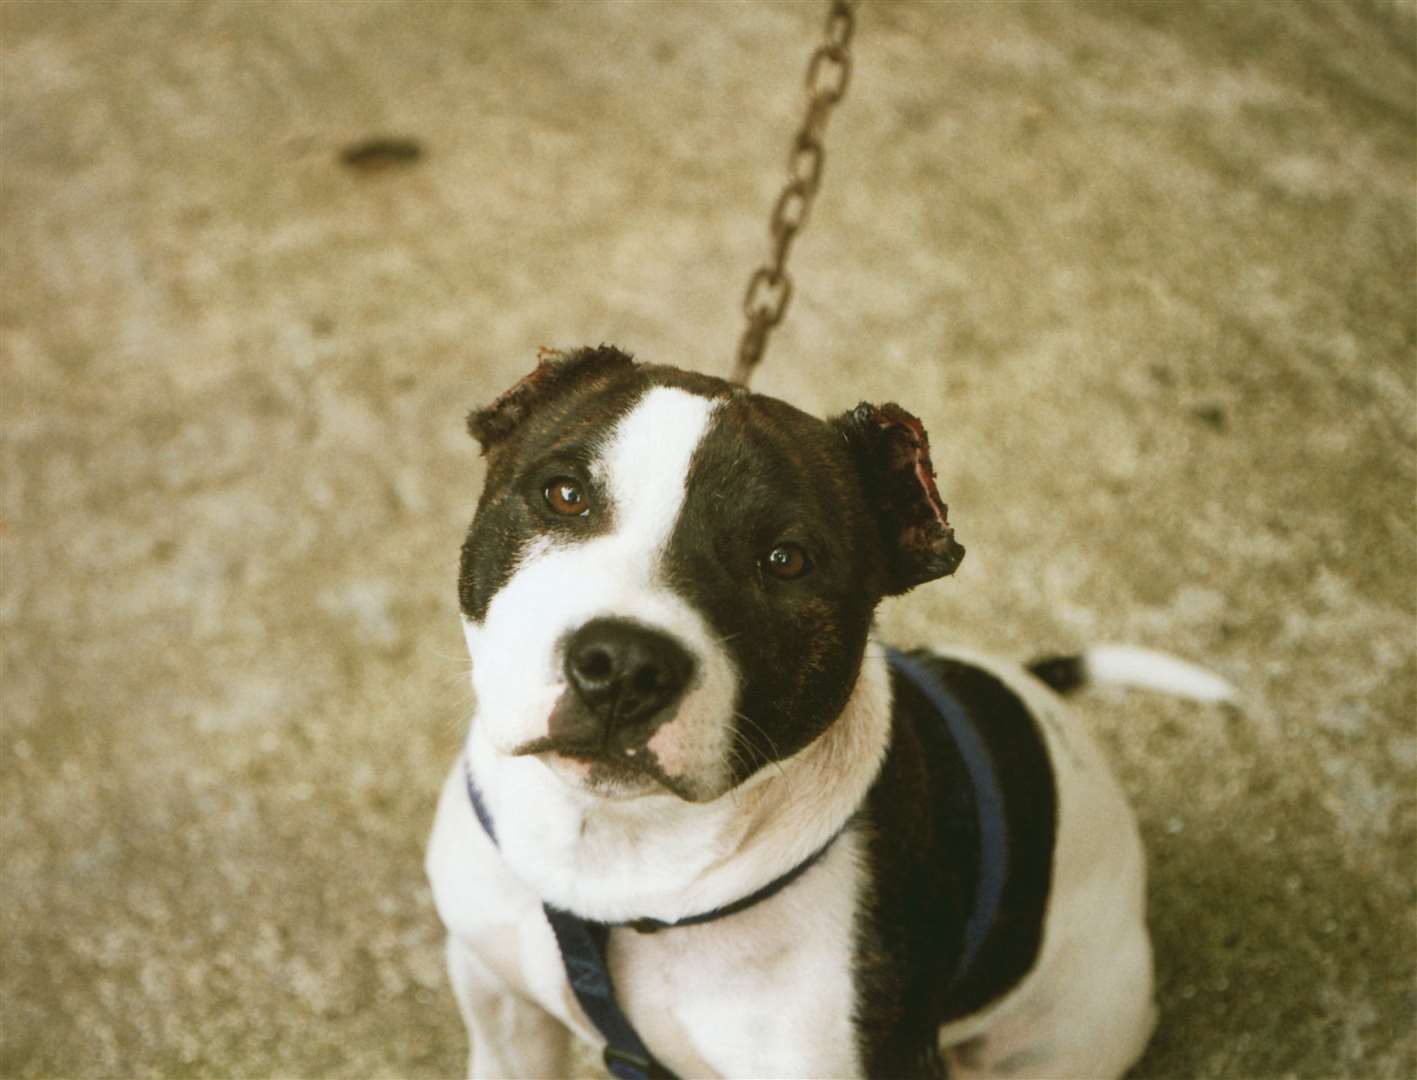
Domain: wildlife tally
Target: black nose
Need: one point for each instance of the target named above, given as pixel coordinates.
(625, 673)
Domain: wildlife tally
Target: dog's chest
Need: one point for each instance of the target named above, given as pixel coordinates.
(768, 991)
(770, 996)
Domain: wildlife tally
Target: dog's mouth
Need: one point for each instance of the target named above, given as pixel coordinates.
(605, 769)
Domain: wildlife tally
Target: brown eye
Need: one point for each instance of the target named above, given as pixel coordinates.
(565, 497)
(787, 561)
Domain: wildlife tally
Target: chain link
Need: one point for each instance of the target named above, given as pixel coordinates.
(770, 287)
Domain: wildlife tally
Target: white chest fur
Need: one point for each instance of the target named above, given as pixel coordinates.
(765, 992)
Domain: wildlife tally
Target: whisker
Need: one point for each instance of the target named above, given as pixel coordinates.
(759, 729)
(736, 758)
(745, 753)
(776, 754)
(457, 722)
(452, 678)
(462, 666)
(459, 658)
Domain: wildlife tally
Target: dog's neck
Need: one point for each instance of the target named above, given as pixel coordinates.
(662, 858)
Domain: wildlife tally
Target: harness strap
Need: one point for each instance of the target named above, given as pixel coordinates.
(989, 801)
(583, 942)
(582, 945)
(583, 953)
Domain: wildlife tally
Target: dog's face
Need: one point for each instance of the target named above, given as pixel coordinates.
(669, 582)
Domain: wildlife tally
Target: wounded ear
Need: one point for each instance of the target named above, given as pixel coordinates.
(893, 454)
(554, 372)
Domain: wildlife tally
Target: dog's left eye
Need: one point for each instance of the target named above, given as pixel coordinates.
(566, 498)
(787, 561)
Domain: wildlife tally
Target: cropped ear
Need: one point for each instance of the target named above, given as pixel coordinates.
(893, 454)
(555, 371)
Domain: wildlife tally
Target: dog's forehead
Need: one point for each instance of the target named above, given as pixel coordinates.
(589, 414)
(762, 452)
(720, 441)
(767, 422)
(645, 462)
(747, 455)
(585, 417)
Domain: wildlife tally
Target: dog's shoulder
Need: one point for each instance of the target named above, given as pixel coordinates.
(923, 847)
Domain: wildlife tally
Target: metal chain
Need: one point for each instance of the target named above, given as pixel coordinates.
(770, 287)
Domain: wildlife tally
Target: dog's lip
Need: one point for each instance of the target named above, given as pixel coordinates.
(630, 760)
(590, 754)
(547, 744)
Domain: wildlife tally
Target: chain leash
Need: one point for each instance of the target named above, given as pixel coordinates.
(770, 288)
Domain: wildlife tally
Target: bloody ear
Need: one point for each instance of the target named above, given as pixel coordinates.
(893, 454)
(555, 370)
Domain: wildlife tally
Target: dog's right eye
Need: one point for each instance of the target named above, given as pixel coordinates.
(566, 498)
(787, 561)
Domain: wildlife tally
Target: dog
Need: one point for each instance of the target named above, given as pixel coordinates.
(700, 804)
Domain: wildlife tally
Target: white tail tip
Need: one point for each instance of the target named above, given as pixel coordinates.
(1128, 665)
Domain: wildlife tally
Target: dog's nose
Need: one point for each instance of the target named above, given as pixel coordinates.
(625, 673)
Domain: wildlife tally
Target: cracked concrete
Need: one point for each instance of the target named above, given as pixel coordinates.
(1146, 270)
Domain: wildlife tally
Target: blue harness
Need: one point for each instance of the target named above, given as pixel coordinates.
(583, 942)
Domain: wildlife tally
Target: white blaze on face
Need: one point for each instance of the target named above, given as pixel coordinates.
(560, 585)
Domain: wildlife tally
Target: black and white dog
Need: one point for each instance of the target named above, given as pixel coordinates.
(879, 864)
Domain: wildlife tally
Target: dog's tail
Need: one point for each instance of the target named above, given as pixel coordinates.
(1128, 665)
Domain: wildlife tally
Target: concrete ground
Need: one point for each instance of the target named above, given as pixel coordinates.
(1146, 269)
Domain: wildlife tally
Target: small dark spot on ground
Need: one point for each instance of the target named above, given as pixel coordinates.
(381, 152)
(1213, 416)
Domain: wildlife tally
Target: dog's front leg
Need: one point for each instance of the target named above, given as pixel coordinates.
(510, 1036)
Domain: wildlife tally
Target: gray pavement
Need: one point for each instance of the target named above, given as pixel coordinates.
(1146, 270)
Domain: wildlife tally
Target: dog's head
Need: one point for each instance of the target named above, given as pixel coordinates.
(669, 581)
